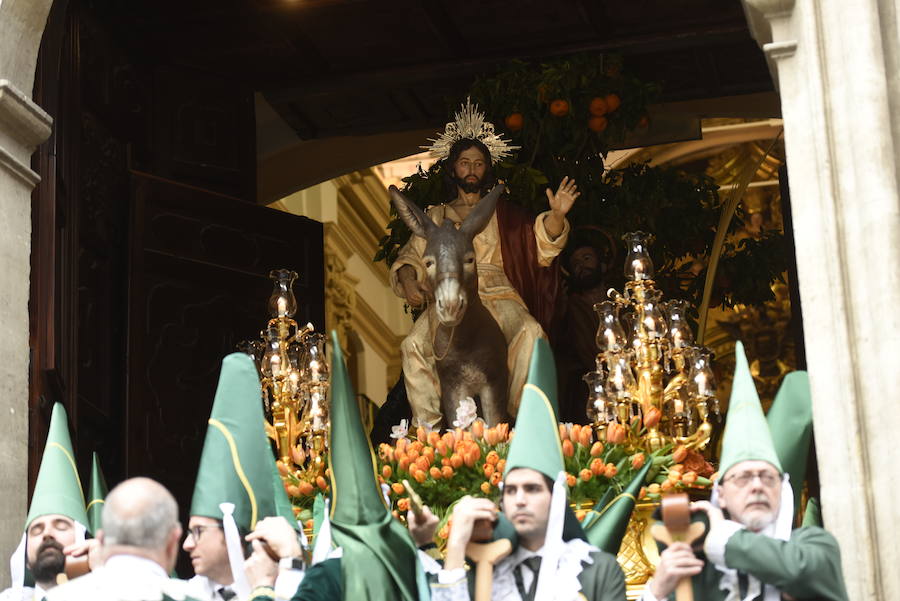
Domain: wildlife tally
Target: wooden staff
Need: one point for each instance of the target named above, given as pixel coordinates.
(677, 528)
(486, 556)
(415, 501)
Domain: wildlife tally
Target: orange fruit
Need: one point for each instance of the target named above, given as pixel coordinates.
(559, 108)
(598, 106)
(514, 121)
(597, 124)
(612, 102)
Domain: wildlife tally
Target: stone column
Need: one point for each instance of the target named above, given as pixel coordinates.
(23, 125)
(837, 67)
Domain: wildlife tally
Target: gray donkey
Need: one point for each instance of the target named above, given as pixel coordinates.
(469, 347)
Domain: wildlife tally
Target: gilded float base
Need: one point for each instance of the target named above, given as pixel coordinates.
(638, 554)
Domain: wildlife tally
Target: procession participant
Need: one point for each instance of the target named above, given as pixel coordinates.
(237, 486)
(376, 558)
(750, 552)
(553, 561)
(139, 540)
(56, 521)
(517, 278)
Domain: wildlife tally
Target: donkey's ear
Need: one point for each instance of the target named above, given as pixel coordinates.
(479, 217)
(414, 217)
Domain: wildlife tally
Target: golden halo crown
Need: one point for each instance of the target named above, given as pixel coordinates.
(470, 124)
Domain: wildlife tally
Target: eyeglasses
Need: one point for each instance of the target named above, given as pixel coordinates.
(196, 531)
(741, 480)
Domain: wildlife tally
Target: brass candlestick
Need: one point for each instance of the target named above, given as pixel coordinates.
(647, 367)
(294, 377)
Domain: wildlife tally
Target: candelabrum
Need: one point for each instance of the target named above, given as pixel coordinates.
(294, 377)
(648, 368)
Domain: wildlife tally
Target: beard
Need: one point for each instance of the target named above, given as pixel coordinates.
(469, 187)
(585, 281)
(759, 519)
(49, 561)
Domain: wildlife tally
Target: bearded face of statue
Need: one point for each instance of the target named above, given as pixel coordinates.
(469, 170)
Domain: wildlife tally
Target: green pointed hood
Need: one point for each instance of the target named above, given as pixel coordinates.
(606, 528)
(747, 434)
(536, 442)
(379, 558)
(58, 488)
(813, 514)
(236, 463)
(96, 496)
(790, 423)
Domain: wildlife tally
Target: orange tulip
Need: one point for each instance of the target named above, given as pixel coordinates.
(492, 457)
(435, 472)
(496, 477)
(433, 438)
(296, 511)
(679, 454)
(456, 461)
(666, 486)
(309, 523)
(586, 475)
(570, 480)
(447, 472)
(445, 461)
(448, 439)
(674, 476)
(488, 470)
(587, 435)
(580, 514)
(413, 454)
(597, 467)
(568, 448)
(292, 490)
(298, 455)
(396, 514)
(282, 468)
(418, 446)
(467, 435)
(401, 444)
(444, 532)
(491, 437)
(597, 449)
(615, 433)
(501, 465)
(610, 471)
(476, 450)
(651, 417)
(403, 464)
(421, 434)
(653, 488)
(420, 476)
(486, 488)
(403, 505)
(470, 458)
(423, 463)
(386, 471)
(689, 478)
(575, 433)
(637, 461)
(613, 102)
(441, 448)
(398, 488)
(563, 434)
(478, 428)
(306, 488)
(321, 483)
(502, 432)
(642, 493)
(428, 452)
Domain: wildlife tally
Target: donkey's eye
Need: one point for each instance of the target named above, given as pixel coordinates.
(429, 264)
(469, 260)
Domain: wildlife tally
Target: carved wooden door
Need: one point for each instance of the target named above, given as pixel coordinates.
(198, 284)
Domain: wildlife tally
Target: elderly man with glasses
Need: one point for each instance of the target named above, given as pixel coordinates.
(751, 552)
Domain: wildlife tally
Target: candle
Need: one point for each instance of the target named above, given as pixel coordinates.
(282, 306)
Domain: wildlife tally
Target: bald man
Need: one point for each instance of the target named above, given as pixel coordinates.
(139, 541)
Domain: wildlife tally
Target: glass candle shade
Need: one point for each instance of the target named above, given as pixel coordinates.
(638, 265)
(282, 302)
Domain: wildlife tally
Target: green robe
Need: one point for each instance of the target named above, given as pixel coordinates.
(808, 566)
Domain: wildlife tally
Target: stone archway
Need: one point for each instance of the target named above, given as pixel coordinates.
(23, 125)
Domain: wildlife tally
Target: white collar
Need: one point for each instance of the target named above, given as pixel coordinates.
(131, 564)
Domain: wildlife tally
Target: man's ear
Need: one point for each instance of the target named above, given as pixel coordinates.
(720, 499)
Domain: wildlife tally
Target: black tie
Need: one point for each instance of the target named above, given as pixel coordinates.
(227, 594)
(533, 564)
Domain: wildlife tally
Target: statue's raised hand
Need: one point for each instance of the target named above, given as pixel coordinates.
(565, 196)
